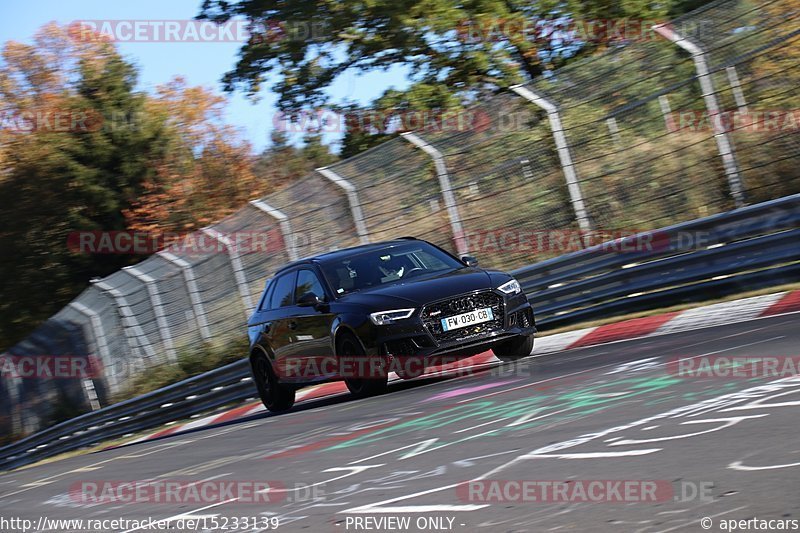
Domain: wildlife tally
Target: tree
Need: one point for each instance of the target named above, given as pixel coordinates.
(468, 47)
(206, 172)
(131, 161)
(392, 113)
(60, 176)
(282, 163)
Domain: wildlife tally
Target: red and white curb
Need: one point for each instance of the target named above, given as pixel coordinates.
(700, 317)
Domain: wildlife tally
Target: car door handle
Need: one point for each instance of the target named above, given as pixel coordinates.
(292, 325)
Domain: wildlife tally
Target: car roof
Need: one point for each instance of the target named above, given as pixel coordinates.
(346, 252)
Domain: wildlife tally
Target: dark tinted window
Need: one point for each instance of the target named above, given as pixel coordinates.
(392, 264)
(307, 281)
(268, 290)
(284, 289)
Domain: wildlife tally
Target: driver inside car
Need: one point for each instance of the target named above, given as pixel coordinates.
(364, 274)
(395, 267)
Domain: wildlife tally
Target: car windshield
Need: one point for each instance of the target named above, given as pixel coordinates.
(379, 267)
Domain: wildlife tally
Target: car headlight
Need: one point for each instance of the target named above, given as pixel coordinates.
(510, 287)
(381, 318)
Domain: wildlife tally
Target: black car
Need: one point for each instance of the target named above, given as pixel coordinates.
(353, 314)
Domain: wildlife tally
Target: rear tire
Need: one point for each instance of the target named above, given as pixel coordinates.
(275, 396)
(514, 349)
(360, 387)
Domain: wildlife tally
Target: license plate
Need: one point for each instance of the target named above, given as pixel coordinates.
(467, 319)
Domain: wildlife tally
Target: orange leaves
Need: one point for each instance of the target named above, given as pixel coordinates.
(207, 172)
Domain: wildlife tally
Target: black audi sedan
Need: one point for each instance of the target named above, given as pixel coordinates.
(359, 313)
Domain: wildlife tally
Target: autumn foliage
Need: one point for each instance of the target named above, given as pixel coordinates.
(82, 149)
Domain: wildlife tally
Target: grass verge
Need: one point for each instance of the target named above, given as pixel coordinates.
(191, 362)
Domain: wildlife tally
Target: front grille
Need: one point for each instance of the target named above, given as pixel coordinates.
(432, 314)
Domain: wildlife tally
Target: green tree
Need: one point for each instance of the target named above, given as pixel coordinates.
(393, 112)
(58, 178)
(468, 47)
(282, 163)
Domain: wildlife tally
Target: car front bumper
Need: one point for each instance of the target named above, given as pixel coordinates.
(418, 336)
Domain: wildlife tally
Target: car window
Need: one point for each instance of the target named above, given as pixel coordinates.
(429, 260)
(283, 293)
(307, 281)
(263, 305)
(398, 263)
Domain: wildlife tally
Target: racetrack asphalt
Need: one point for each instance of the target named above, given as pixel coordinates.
(718, 447)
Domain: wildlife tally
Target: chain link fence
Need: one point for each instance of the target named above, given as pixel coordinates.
(693, 118)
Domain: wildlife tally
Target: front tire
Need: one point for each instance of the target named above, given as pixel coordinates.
(514, 349)
(276, 397)
(348, 347)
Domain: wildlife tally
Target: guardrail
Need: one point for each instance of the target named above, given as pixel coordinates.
(224, 385)
(746, 248)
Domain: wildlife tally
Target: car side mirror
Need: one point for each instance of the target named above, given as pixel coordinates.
(469, 260)
(309, 299)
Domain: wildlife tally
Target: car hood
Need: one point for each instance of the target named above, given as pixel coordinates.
(419, 291)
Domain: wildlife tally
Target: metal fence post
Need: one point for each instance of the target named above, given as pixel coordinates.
(564, 155)
(238, 268)
(724, 145)
(158, 309)
(613, 128)
(283, 222)
(666, 112)
(736, 87)
(190, 281)
(99, 334)
(352, 199)
(91, 393)
(133, 331)
(447, 190)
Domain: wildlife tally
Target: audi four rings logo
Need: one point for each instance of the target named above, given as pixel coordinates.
(462, 304)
